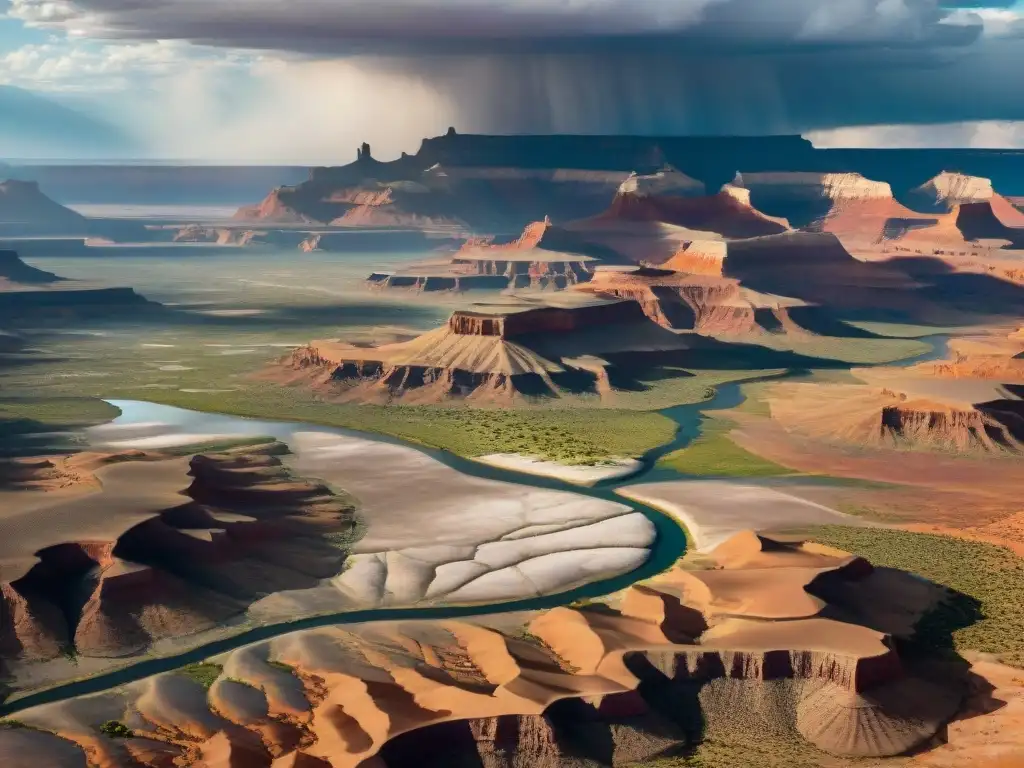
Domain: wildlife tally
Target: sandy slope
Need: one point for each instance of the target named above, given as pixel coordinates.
(713, 511)
(739, 624)
(580, 474)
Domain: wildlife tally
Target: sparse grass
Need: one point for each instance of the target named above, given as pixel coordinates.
(714, 454)
(566, 666)
(205, 673)
(280, 665)
(221, 446)
(986, 611)
(867, 512)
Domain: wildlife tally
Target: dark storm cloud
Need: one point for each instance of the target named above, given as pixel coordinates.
(401, 26)
(637, 66)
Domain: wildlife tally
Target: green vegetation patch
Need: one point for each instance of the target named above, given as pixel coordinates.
(985, 610)
(116, 730)
(280, 665)
(713, 453)
(205, 673)
(26, 414)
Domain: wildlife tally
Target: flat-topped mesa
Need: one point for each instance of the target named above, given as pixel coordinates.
(545, 320)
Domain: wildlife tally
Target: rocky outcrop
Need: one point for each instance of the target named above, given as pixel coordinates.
(545, 320)
(947, 190)
(70, 303)
(31, 627)
(887, 418)
(979, 221)
(994, 428)
(726, 213)
(542, 257)
(811, 186)
(245, 528)
(25, 210)
(667, 181)
(14, 270)
(861, 211)
(195, 233)
(286, 205)
(700, 257)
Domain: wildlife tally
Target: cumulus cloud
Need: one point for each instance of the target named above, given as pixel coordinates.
(58, 66)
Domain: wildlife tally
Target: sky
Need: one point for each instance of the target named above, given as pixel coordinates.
(308, 80)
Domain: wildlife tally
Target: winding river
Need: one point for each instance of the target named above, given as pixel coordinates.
(669, 545)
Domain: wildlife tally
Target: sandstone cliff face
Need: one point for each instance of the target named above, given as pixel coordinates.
(954, 429)
(700, 257)
(481, 358)
(951, 189)
(682, 301)
(808, 186)
(846, 204)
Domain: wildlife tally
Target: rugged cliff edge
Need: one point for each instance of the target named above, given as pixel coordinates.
(244, 527)
(770, 634)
